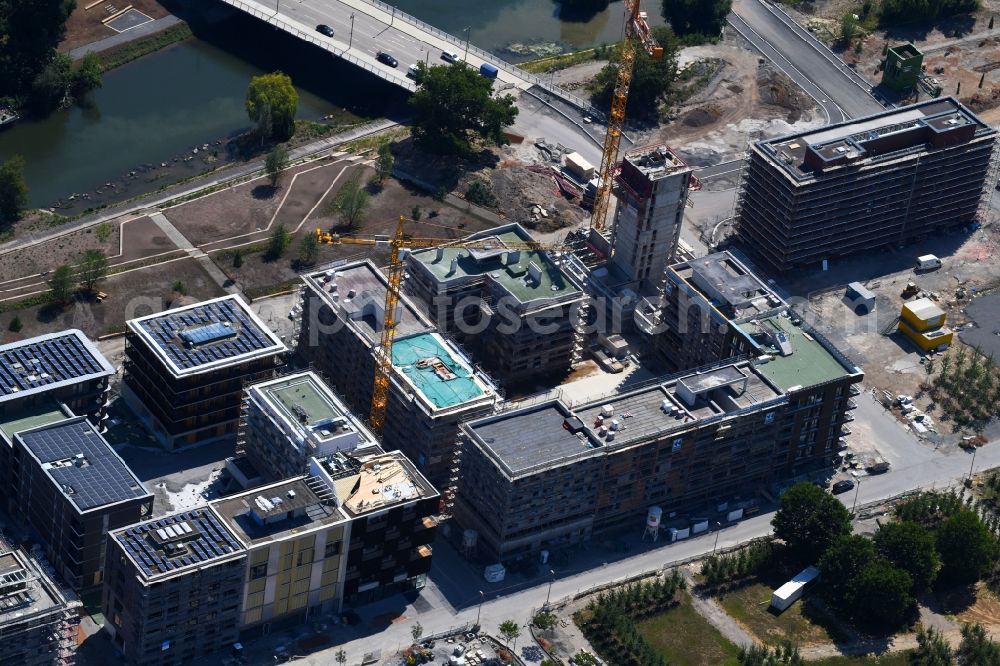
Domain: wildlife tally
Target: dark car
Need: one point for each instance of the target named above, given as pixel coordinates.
(386, 58)
(324, 29)
(842, 486)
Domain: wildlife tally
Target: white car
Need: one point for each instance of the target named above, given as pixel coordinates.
(449, 56)
(411, 71)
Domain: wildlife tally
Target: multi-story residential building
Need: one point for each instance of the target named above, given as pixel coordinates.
(433, 386)
(516, 310)
(46, 379)
(185, 368)
(291, 419)
(893, 177)
(70, 487)
(555, 473)
(172, 588)
(651, 189)
(38, 622)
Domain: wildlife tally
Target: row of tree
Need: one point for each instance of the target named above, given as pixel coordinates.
(976, 649)
(88, 274)
(966, 386)
(901, 12)
(733, 567)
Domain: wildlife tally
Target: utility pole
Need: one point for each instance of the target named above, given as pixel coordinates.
(482, 597)
(548, 594)
(468, 32)
(857, 491)
(718, 532)
(973, 463)
(351, 39)
(393, 17)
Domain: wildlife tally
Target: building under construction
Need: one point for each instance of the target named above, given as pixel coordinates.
(893, 177)
(38, 622)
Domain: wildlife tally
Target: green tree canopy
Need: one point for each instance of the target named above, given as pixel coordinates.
(510, 630)
(882, 595)
(30, 30)
(932, 649)
(13, 190)
(51, 85)
(651, 79)
(308, 250)
(93, 269)
(87, 76)
(276, 162)
(840, 566)
(351, 203)
(976, 648)
(761, 655)
(280, 240)
(697, 17)
(902, 12)
(454, 108)
(384, 162)
(967, 547)
(809, 521)
(272, 103)
(910, 547)
(61, 284)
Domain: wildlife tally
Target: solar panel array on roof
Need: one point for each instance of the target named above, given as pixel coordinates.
(82, 464)
(49, 360)
(166, 544)
(209, 332)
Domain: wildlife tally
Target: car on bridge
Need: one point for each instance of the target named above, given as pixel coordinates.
(324, 29)
(386, 58)
(449, 56)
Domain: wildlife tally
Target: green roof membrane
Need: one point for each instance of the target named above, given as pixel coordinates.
(514, 277)
(302, 393)
(808, 364)
(440, 377)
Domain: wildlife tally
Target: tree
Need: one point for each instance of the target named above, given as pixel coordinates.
(809, 521)
(61, 285)
(910, 547)
(840, 567)
(967, 547)
(384, 162)
(454, 108)
(351, 203)
(280, 240)
(848, 27)
(341, 657)
(15, 325)
(29, 32)
(51, 85)
(308, 250)
(510, 630)
(901, 12)
(705, 18)
(417, 630)
(87, 76)
(237, 259)
(760, 655)
(13, 190)
(545, 621)
(882, 595)
(276, 162)
(932, 649)
(976, 648)
(93, 269)
(651, 79)
(272, 102)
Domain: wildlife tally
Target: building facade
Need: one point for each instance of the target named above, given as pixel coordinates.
(185, 368)
(38, 622)
(70, 487)
(894, 177)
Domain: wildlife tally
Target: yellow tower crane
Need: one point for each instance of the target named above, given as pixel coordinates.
(637, 35)
(396, 242)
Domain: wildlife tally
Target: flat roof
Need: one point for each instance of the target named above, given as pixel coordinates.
(307, 406)
(526, 275)
(25, 590)
(275, 511)
(655, 162)
(31, 417)
(381, 481)
(168, 544)
(924, 309)
(725, 282)
(850, 139)
(81, 464)
(357, 290)
(437, 371)
(49, 361)
(207, 335)
(809, 362)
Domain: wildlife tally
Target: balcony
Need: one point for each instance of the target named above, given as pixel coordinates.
(845, 431)
(853, 390)
(852, 404)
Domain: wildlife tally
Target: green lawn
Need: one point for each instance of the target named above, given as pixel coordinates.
(685, 638)
(749, 606)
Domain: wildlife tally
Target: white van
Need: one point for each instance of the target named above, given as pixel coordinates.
(449, 56)
(411, 71)
(928, 262)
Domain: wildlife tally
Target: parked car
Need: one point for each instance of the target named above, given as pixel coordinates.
(324, 29)
(449, 56)
(386, 58)
(843, 486)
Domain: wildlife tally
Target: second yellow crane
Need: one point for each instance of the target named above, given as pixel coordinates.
(398, 241)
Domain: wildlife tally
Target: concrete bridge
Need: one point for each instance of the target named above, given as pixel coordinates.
(364, 27)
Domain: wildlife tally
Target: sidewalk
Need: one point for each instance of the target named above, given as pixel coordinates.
(138, 32)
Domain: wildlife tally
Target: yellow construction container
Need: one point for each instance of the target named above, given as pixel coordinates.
(921, 315)
(927, 340)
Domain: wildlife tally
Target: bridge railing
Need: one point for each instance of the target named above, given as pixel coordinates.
(270, 17)
(502, 64)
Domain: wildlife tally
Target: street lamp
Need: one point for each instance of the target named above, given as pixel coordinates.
(718, 532)
(482, 597)
(857, 491)
(468, 31)
(973, 463)
(551, 581)
(351, 38)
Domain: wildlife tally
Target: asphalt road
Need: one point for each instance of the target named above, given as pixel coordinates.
(803, 59)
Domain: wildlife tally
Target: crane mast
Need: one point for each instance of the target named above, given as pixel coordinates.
(637, 35)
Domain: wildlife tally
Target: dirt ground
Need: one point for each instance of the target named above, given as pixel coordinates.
(130, 295)
(84, 25)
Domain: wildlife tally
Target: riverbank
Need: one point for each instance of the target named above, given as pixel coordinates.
(117, 56)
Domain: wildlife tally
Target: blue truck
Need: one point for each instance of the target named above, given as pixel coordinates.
(488, 70)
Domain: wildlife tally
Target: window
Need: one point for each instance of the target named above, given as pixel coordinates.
(332, 549)
(258, 571)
